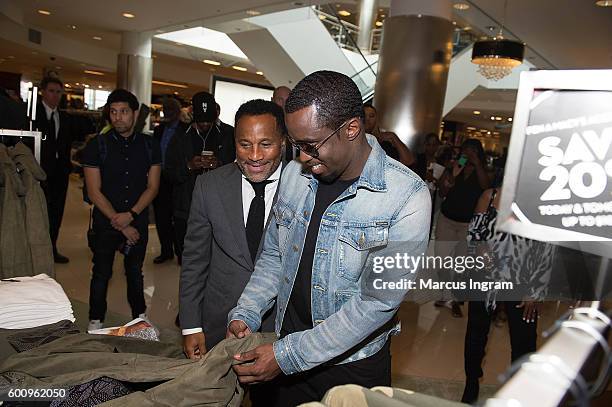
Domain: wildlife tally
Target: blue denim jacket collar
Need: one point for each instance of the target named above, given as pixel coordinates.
(372, 176)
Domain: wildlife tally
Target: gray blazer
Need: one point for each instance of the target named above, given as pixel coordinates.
(217, 264)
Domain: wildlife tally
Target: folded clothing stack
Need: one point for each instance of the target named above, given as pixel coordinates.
(27, 302)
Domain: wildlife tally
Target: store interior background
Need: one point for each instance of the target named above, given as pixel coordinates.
(80, 41)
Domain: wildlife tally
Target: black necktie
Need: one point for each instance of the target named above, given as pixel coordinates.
(52, 126)
(255, 220)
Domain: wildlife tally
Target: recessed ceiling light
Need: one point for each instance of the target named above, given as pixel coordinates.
(461, 6)
(259, 73)
(67, 85)
(99, 86)
(253, 12)
(72, 26)
(509, 119)
(97, 38)
(382, 16)
(476, 111)
(498, 118)
(491, 28)
(87, 86)
(492, 117)
(93, 72)
(467, 28)
(211, 62)
(176, 93)
(471, 128)
(239, 68)
(454, 23)
(322, 17)
(44, 12)
(379, 24)
(78, 84)
(604, 3)
(128, 15)
(344, 13)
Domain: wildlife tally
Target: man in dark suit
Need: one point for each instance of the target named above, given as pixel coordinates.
(203, 147)
(163, 202)
(229, 210)
(58, 134)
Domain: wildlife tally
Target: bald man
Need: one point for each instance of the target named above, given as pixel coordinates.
(280, 95)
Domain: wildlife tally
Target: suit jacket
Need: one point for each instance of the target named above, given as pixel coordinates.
(217, 264)
(55, 153)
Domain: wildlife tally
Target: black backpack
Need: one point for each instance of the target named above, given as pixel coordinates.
(103, 151)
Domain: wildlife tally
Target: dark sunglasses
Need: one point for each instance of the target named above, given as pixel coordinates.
(313, 149)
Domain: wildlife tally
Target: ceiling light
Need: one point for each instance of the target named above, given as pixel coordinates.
(239, 68)
(379, 24)
(78, 84)
(210, 62)
(67, 85)
(471, 128)
(488, 132)
(99, 86)
(259, 73)
(205, 38)
(461, 6)
(476, 111)
(128, 15)
(87, 86)
(176, 85)
(344, 13)
(498, 118)
(97, 38)
(497, 58)
(509, 119)
(93, 72)
(454, 23)
(322, 17)
(604, 3)
(44, 12)
(74, 27)
(176, 93)
(492, 117)
(253, 12)
(382, 16)
(467, 28)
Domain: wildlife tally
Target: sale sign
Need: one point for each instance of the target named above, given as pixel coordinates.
(565, 177)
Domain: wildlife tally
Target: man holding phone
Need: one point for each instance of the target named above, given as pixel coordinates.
(204, 147)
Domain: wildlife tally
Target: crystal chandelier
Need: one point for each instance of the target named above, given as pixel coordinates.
(497, 57)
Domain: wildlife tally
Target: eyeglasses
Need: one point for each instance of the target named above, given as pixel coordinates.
(309, 148)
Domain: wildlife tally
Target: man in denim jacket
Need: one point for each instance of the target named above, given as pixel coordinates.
(343, 200)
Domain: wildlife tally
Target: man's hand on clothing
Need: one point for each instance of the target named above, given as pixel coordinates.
(194, 345)
(263, 368)
(237, 329)
(209, 162)
(121, 220)
(131, 234)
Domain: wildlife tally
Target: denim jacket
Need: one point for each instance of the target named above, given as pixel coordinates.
(388, 203)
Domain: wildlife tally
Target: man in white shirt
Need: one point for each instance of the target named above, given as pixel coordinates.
(230, 208)
(58, 133)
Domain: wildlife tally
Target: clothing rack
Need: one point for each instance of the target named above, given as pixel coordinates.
(574, 363)
(31, 114)
(37, 135)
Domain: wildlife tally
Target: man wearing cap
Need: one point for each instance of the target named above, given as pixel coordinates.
(163, 202)
(202, 148)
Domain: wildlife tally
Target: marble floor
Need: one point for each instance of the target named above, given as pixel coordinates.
(427, 356)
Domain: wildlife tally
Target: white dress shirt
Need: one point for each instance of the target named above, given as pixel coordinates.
(248, 193)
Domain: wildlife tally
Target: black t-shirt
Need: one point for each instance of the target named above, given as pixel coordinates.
(124, 171)
(298, 315)
(462, 198)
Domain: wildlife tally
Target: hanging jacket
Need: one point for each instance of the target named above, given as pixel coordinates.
(15, 258)
(36, 219)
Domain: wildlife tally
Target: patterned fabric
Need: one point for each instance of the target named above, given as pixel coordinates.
(523, 261)
(92, 393)
(27, 339)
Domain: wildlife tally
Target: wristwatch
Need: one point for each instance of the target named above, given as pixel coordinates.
(134, 214)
